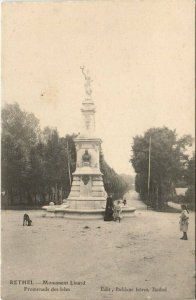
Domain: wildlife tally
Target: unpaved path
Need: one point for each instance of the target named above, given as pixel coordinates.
(140, 253)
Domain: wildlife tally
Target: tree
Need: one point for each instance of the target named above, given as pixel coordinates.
(20, 132)
(114, 184)
(129, 179)
(59, 163)
(37, 165)
(189, 178)
(167, 164)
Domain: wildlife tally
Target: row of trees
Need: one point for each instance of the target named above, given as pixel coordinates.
(161, 161)
(37, 165)
(113, 183)
(130, 180)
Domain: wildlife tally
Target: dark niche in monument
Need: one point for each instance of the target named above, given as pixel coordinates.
(86, 157)
(85, 179)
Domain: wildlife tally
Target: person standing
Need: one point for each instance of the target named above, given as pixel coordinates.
(117, 212)
(109, 209)
(184, 217)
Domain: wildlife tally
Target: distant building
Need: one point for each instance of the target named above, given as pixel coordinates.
(180, 191)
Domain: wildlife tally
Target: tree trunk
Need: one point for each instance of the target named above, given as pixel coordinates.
(157, 197)
(11, 196)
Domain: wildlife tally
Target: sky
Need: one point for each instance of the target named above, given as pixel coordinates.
(140, 55)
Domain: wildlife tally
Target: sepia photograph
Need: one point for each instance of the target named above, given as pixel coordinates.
(98, 150)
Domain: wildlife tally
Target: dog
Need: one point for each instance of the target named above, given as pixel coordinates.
(26, 220)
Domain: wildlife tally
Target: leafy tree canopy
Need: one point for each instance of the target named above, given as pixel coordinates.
(168, 162)
(37, 165)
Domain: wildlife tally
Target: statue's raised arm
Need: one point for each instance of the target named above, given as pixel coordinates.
(88, 81)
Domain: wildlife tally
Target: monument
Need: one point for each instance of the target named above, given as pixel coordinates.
(87, 191)
(87, 198)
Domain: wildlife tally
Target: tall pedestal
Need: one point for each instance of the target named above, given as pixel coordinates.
(87, 191)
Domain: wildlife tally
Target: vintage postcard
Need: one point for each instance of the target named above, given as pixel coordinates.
(97, 150)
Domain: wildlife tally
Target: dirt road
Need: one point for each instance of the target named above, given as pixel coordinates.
(140, 258)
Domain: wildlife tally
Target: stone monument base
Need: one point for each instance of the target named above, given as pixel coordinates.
(64, 211)
(86, 203)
